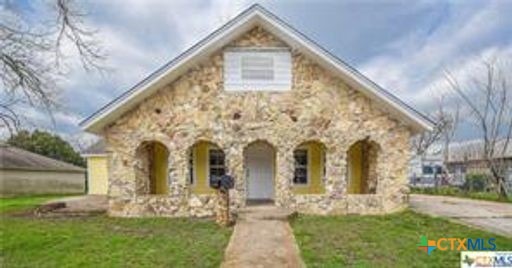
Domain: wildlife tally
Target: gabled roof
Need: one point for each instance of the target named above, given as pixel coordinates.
(254, 15)
(13, 158)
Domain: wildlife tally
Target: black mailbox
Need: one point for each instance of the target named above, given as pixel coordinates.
(223, 183)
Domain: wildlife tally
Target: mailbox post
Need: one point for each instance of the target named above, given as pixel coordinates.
(222, 184)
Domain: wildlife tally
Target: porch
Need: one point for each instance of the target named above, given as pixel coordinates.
(308, 177)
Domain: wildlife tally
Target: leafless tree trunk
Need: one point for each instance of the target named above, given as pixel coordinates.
(424, 141)
(31, 55)
(452, 117)
(446, 121)
(488, 100)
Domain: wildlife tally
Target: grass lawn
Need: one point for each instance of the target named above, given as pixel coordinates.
(101, 241)
(9, 204)
(453, 191)
(380, 241)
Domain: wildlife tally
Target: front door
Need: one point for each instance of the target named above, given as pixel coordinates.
(259, 171)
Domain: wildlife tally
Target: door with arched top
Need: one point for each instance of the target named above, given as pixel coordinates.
(259, 171)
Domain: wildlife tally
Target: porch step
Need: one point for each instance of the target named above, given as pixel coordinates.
(264, 212)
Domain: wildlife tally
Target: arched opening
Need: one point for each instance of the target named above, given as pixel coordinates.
(309, 168)
(152, 168)
(205, 159)
(259, 168)
(362, 167)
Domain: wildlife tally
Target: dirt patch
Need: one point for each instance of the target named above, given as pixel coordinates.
(35, 213)
(66, 208)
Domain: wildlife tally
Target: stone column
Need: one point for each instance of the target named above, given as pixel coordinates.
(222, 208)
(284, 174)
(336, 169)
(234, 162)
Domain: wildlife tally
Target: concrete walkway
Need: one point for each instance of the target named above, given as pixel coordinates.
(491, 216)
(262, 238)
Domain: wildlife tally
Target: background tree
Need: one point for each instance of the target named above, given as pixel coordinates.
(32, 54)
(487, 97)
(47, 144)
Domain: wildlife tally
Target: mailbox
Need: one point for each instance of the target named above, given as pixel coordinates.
(223, 183)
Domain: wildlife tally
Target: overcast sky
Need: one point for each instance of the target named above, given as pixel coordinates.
(405, 46)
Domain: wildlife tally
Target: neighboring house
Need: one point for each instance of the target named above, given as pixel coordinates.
(467, 158)
(429, 170)
(23, 172)
(256, 99)
(97, 168)
(426, 170)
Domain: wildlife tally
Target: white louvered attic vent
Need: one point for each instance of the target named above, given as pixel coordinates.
(257, 70)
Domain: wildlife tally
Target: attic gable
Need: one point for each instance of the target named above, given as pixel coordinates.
(285, 34)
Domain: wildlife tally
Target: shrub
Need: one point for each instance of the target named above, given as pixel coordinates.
(443, 190)
(475, 182)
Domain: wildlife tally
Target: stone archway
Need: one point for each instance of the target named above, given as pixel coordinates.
(151, 168)
(362, 171)
(205, 159)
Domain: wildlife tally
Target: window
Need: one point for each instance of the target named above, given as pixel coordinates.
(257, 69)
(428, 170)
(191, 172)
(217, 165)
(439, 169)
(300, 175)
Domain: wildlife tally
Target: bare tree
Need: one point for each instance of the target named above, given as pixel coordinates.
(452, 118)
(445, 123)
(446, 120)
(488, 100)
(31, 55)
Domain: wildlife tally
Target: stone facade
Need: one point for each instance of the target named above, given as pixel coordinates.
(319, 107)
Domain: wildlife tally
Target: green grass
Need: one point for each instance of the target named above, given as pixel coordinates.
(456, 192)
(9, 204)
(101, 241)
(380, 241)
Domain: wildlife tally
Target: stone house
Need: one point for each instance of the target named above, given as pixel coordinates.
(260, 101)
